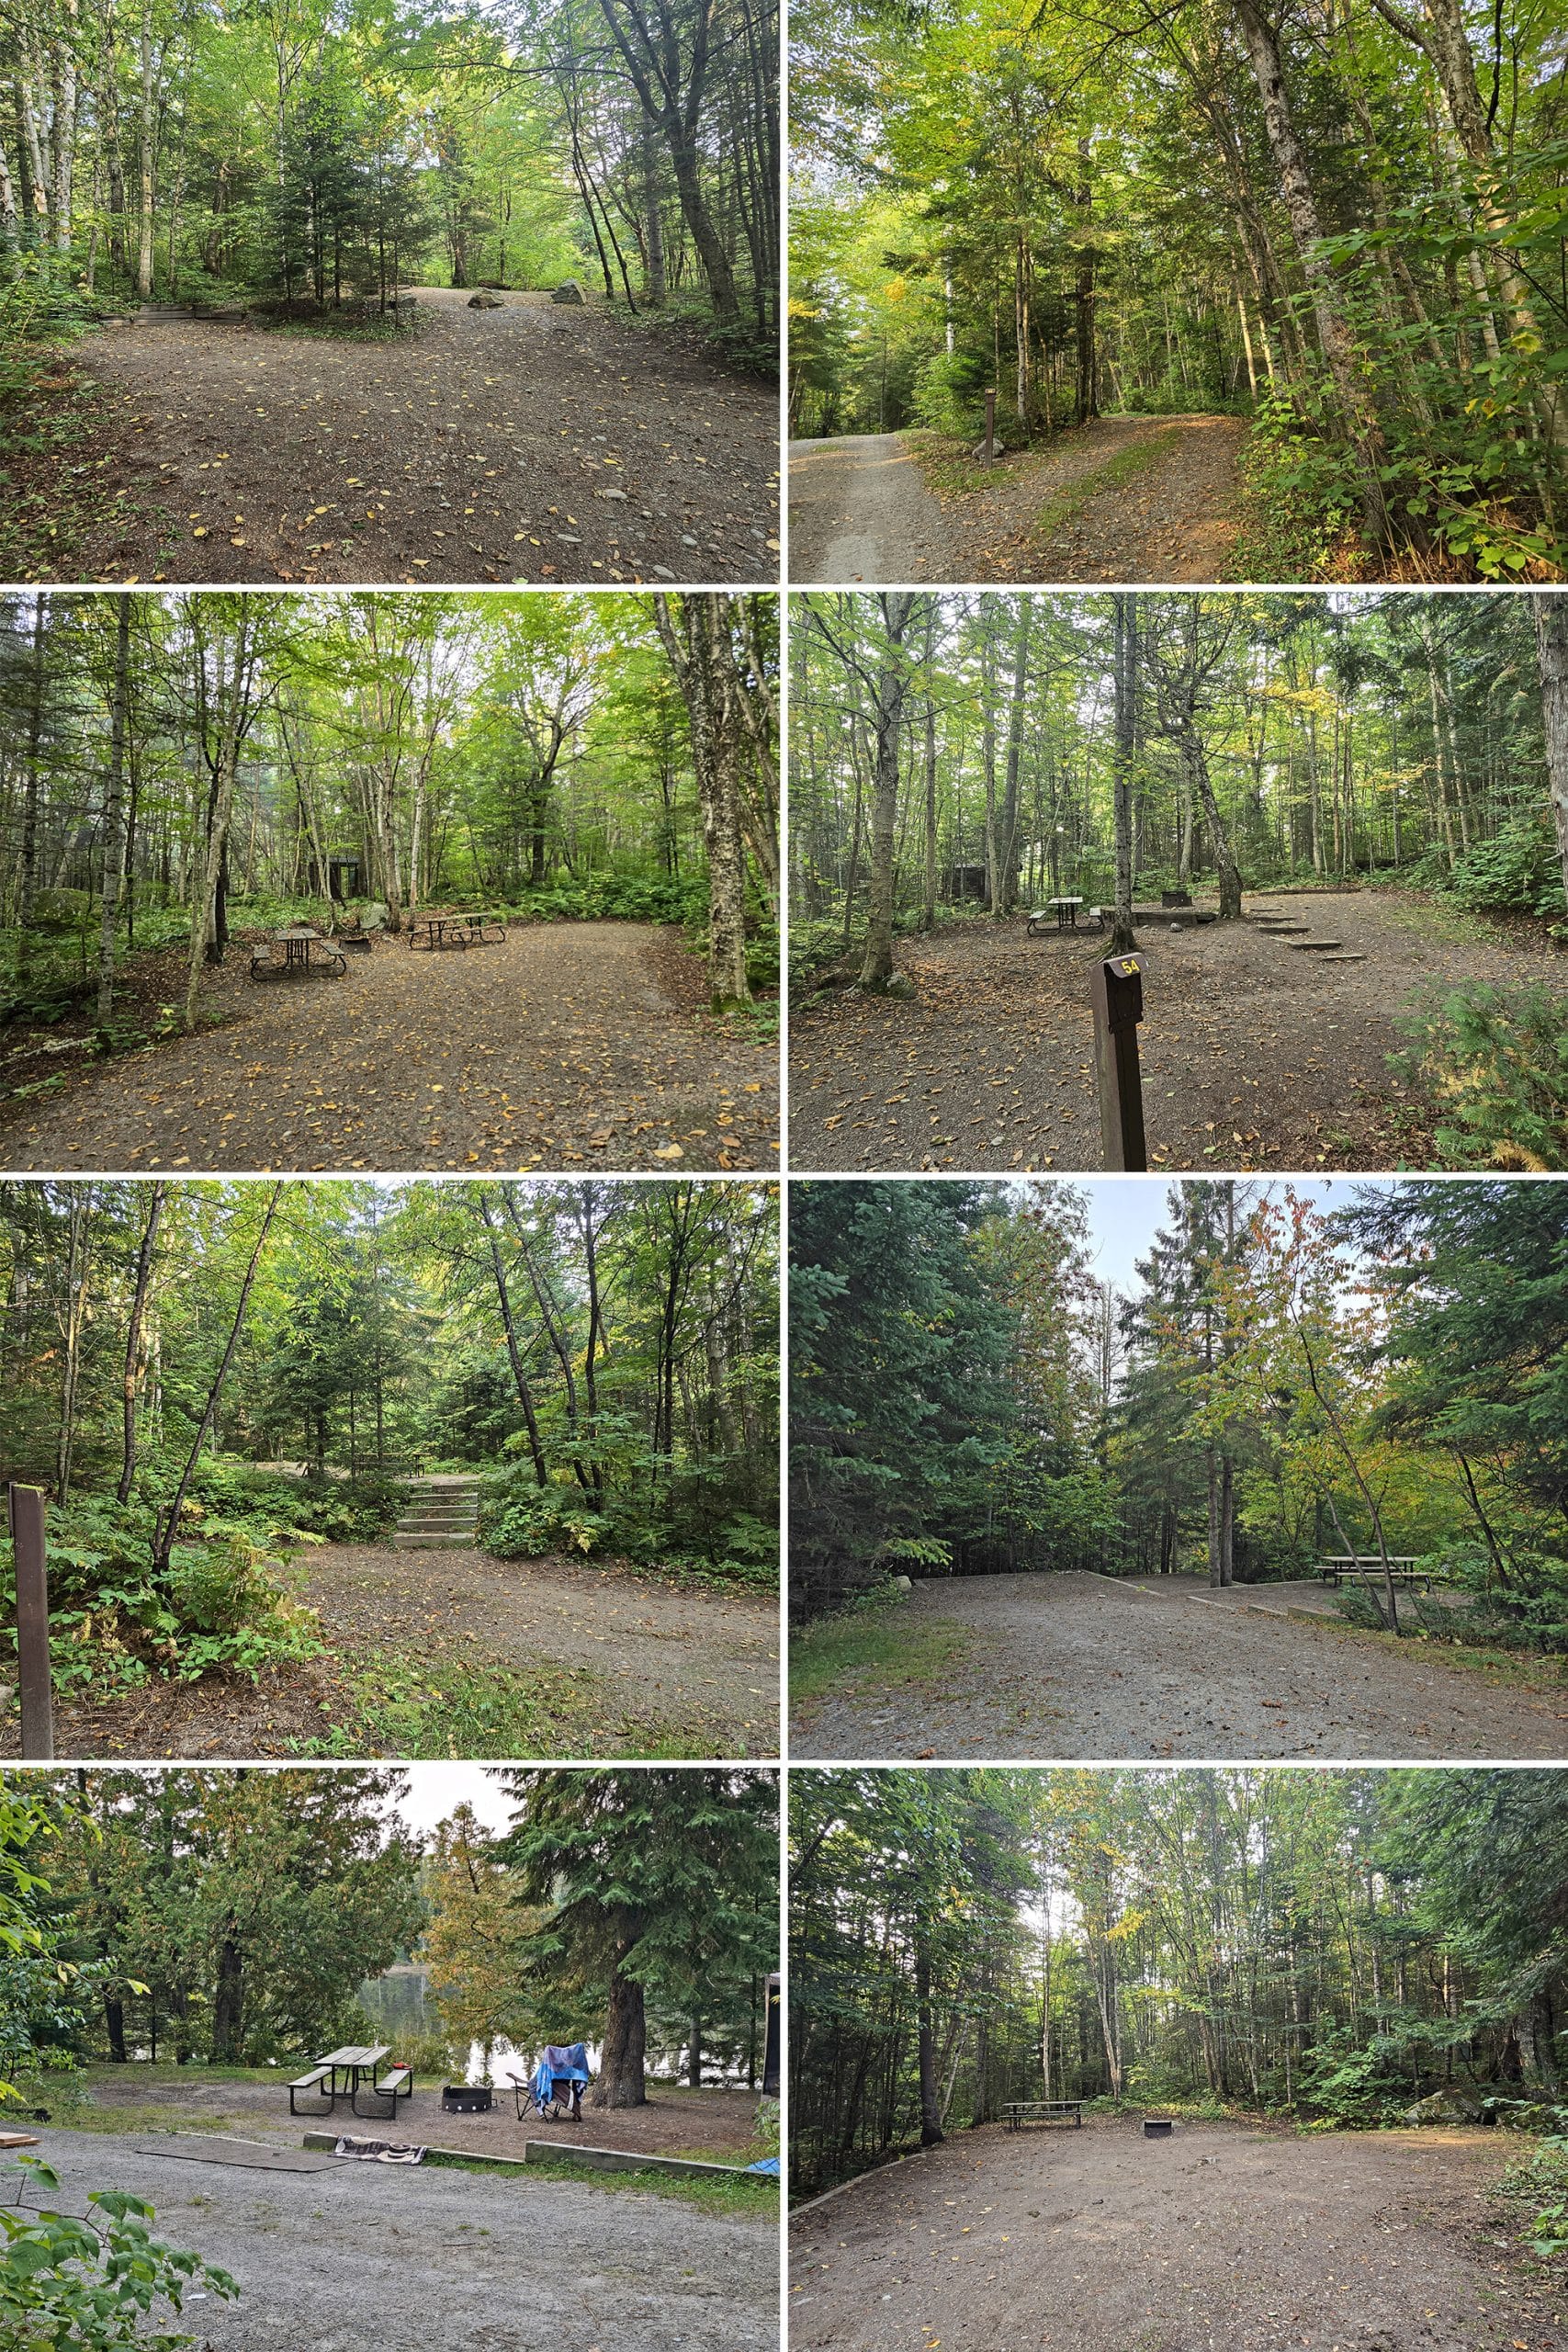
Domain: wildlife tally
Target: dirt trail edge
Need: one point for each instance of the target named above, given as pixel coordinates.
(860, 510)
(1077, 1665)
(1226, 2236)
(563, 1045)
(530, 442)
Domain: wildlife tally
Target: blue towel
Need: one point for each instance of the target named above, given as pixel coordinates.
(769, 2164)
(568, 2064)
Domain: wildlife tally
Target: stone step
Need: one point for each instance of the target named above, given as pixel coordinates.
(1346, 956)
(1285, 929)
(1315, 946)
(445, 1540)
(439, 1519)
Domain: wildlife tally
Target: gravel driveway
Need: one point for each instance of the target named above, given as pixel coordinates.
(1067, 1666)
(405, 2260)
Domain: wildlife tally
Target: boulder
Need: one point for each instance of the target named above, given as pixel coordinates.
(979, 449)
(1454, 2104)
(568, 291)
(484, 302)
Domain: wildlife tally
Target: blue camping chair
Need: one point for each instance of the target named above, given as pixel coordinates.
(554, 2087)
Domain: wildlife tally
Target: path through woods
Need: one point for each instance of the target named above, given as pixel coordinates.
(1123, 498)
(1254, 1054)
(657, 1663)
(1225, 2234)
(536, 441)
(565, 1044)
(1079, 1665)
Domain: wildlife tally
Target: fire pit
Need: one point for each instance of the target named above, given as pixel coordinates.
(467, 2099)
(1158, 2130)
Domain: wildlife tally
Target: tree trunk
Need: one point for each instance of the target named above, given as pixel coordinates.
(166, 1523)
(930, 2092)
(228, 2001)
(695, 638)
(114, 812)
(1551, 650)
(621, 2079)
(133, 1339)
(892, 680)
(514, 1351)
(1122, 940)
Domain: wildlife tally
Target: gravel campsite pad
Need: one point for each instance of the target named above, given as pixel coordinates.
(1219, 2239)
(1254, 1055)
(404, 2258)
(536, 441)
(657, 1661)
(1086, 1666)
(563, 1045)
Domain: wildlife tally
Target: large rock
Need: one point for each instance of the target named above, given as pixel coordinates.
(568, 291)
(484, 302)
(1454, 2104)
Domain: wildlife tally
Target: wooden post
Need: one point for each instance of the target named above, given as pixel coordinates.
(25, 1508)
(991, 425)
(1116, 984)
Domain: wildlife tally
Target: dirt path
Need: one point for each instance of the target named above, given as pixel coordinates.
(656, 1661)
(533, 442)
(1222, 2238)
(1254, 1055)
(1083, 1665)
(564, 1044)
(359, 2256)
(1123, 498)
(859, 509)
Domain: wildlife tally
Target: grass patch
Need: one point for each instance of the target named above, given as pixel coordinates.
(756, 2198)
(493, 1712)
(873, 1642)
(1503, 1669)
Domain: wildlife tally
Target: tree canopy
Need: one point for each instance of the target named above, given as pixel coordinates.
(1335, 1947)
(312, 153)
(1345, 231)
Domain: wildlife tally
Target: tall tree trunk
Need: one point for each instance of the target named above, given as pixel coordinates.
(133, 1339)
(930, 2091)
(695, 638)
(1122, 940)
(114, 811)
(1551, 650)
(513, 1349)
(622, 2081)
(892, 682)
(166, 1523)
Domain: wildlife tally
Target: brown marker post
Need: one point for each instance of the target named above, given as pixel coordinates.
(25, 1508)
(1116, 985)
(990, 428)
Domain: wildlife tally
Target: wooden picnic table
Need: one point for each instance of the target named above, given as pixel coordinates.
(1401, 1566)
(351, 2072)
(1022, 2110)
(1066, 912)
(441, 927)
(296, 944)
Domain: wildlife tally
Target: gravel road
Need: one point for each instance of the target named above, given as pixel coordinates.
(1084, 1665)
(860, 510)
(404, 2260)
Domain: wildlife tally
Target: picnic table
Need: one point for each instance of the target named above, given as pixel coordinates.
(1400, 1566)
(290, 951)
(1061, 914)
(441, 927)
(350, 2073)
(1020, 2112)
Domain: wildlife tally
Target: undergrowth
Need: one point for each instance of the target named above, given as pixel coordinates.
(873, 1641)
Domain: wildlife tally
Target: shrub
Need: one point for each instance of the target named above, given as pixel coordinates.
(90, 2284)
(1517, 872)
(1495, 1066)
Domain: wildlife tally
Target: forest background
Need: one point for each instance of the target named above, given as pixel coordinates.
(1347, 231)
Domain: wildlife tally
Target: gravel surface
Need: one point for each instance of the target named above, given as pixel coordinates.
(859, 509)
(1221, 2239)
(533, 442)
(1254, 1055)
(562, 1045)
(406, 2260)
(1083, 1665)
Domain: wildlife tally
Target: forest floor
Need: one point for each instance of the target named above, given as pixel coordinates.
(349, 2255)
(563, 1045)
(1123, 498)
(720, 2125)
(1254, 1057)
(1241, 2237)
(450, 1651)
(1087, 1666)
(533, 442)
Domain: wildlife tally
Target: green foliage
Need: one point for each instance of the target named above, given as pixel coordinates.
(94, 2284)
(1495, 1064)
(1518, 871)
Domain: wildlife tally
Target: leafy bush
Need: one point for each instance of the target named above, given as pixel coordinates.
(87, 2286)
(723, 1547)
(1516, 871)
(1495, 1064)
(1346, 2082)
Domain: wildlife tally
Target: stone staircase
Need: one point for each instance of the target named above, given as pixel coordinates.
(443, 1511)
